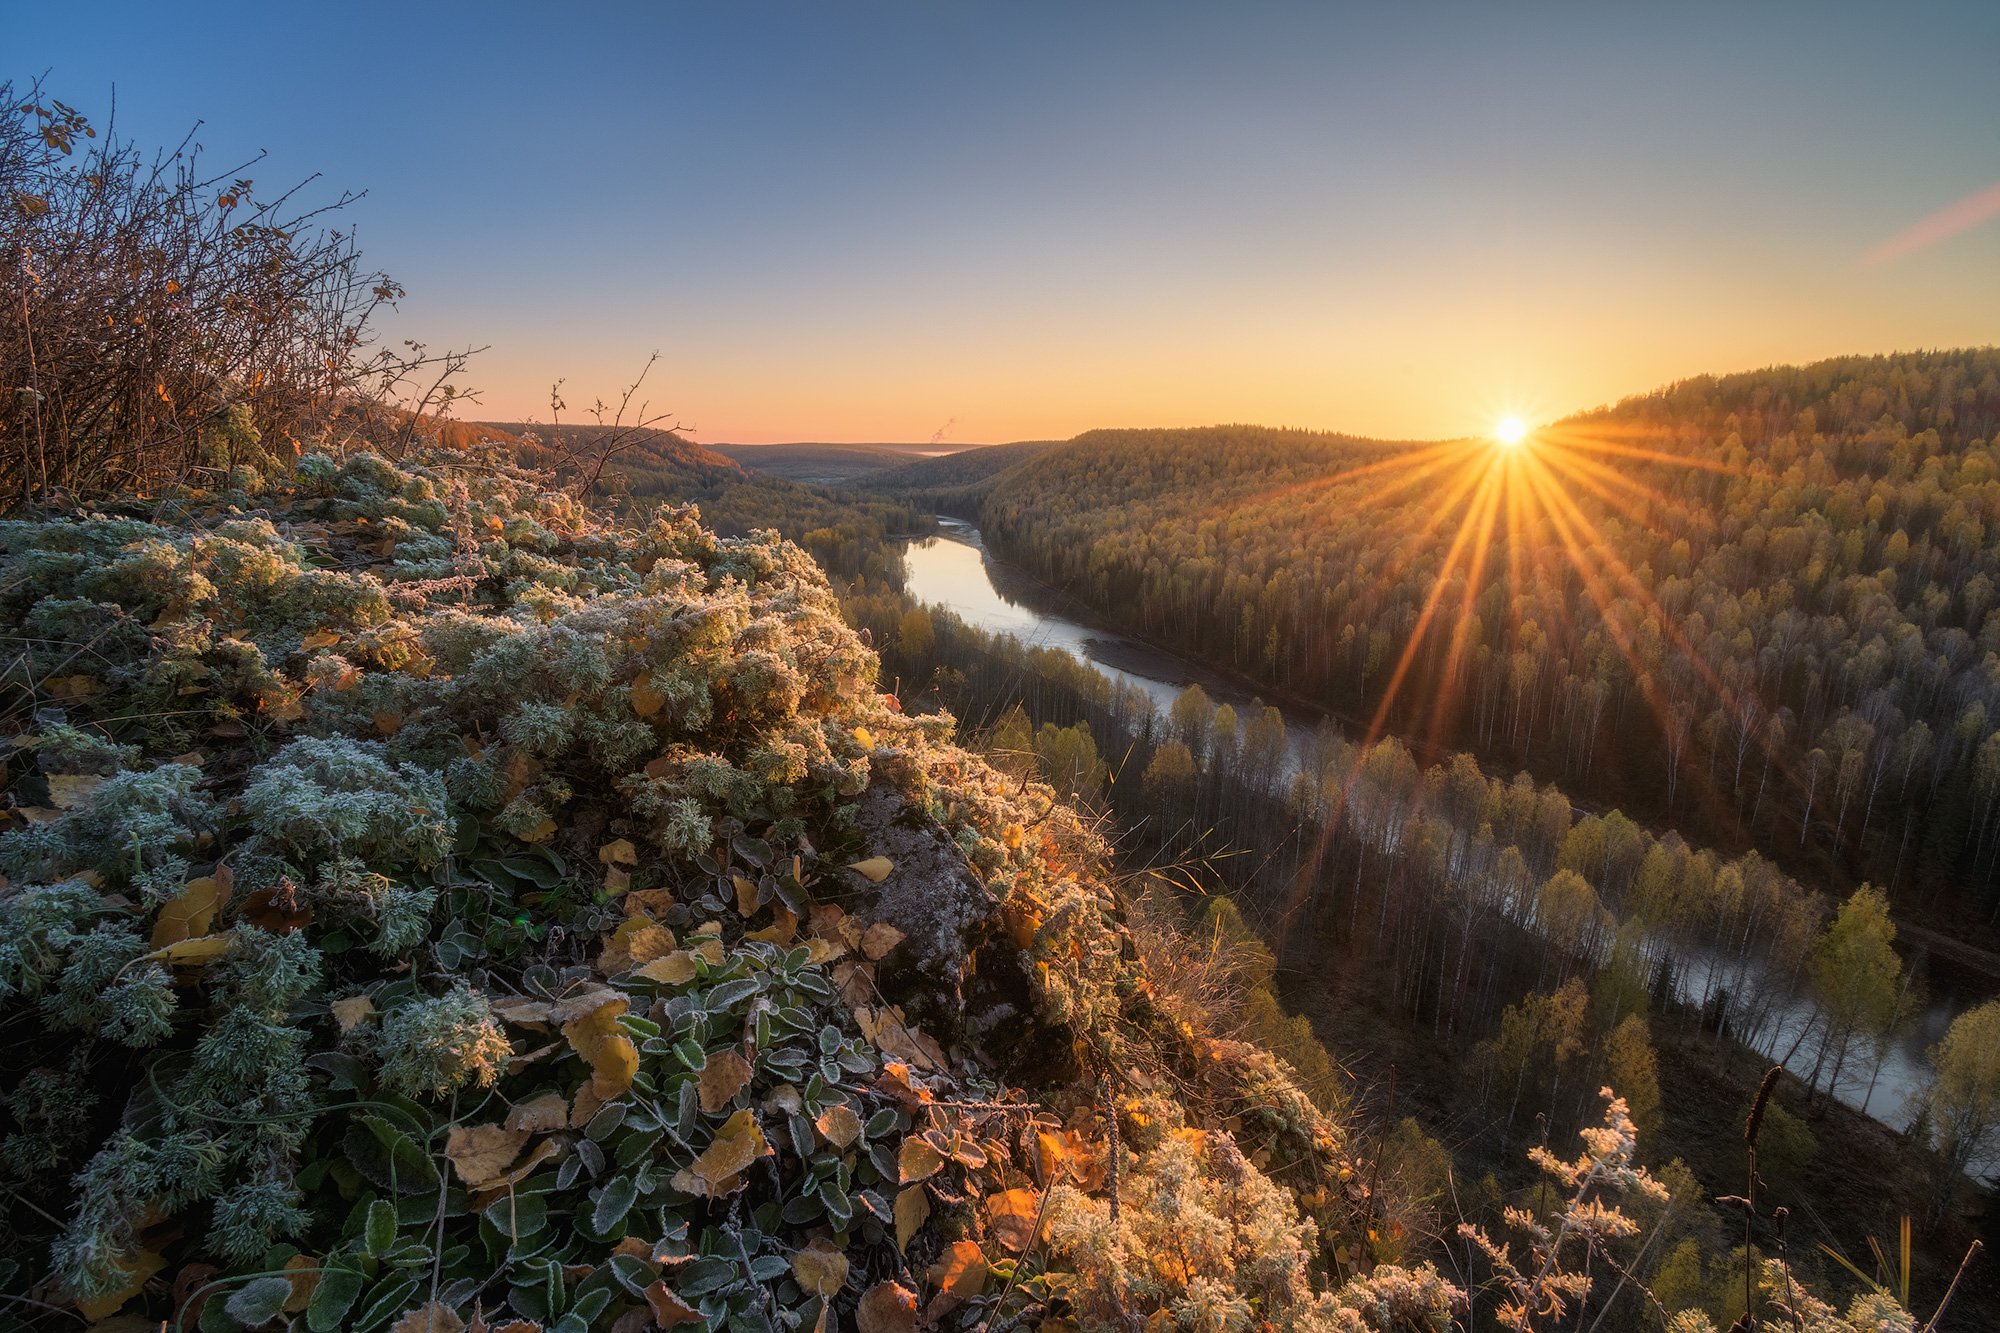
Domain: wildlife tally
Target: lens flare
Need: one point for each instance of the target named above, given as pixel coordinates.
(1510, 431)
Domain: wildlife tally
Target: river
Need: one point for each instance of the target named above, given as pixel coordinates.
(956, 571)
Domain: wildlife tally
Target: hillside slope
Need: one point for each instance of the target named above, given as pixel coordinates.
(423, 896)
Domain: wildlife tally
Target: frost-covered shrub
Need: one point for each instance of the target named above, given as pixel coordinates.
(341, 797)
(431, 1047)
(135, 829)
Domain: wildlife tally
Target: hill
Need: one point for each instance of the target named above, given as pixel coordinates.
(512, 910)
(1759, 606)
(952, 482)
(823, 464)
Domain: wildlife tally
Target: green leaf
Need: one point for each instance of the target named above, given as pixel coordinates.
(613, 1202)
(335, 1295)
(388, 1300)
(259, 1300)
(379, 1233)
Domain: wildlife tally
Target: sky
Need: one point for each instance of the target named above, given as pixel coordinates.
(1023, 220)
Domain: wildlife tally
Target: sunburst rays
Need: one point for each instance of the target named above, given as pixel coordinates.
(1528, 516)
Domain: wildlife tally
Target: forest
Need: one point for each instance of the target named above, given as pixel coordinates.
(1757, 608)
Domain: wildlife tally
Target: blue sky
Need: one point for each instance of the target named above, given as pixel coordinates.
(861, 221)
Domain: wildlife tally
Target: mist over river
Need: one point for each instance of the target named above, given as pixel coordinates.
(956, 571)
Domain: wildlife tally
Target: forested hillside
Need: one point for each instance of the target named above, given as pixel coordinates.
(1760, 608)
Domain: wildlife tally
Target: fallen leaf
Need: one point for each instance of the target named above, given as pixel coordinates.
(784, 925)
(669, 1309)
(278, 910)
(388, 723)
(618, 852)
(320, 638)
(200, 950)
(646, 700)
(820, 1268)
(435, 1317)
(523, 1010)
(839, 1124)
(875, 869)
(188, 914)
(302, 1270)
(738, 1144)
(746, 895)
(617, 881)
(722, 1078)
(960, 1271)
(540, 832)
(143, 1267)
(548, 1111)
(349, 1012)
(886, 1307)
(519, 1171)
(895, 1082)
(1012, 1214)
(878, 939)
(636, 941)
(598, 1038)
(676, 969)
(913, 1209)
(70, 790)
(917, 1160)
(481, 1154)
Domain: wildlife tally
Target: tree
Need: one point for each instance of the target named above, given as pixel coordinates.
(1856, 977)
(1962, 1102)
(1635, 1071)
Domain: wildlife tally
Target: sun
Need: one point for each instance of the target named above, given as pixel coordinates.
(1510, 431)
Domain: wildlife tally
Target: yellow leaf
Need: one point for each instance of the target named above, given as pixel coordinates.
(320, 638)
(618, 852)
(913, 1209)
(143, 1268)
(195, 952)
(784, 925)
(839, 1124)
(887, 1307)
(746, 895)
(669, 1309)
(598, 1038)
(302, 1271)
(349, 1013)
(636, 941)
(1013, 1214)
(388, 723)
(522, 1169)
(878, 939)
(646, 700)
(960, 1271)
(616, 881)
(875, 869)
(676, 969)
(722, 1077)
(548, 1111)
(435, 1317)
(69, 790)
(541, 832)
(917, 1160)
(820, 1268)
(481, 1154)
(865, 738)
(190, 913)
(738, 1144)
